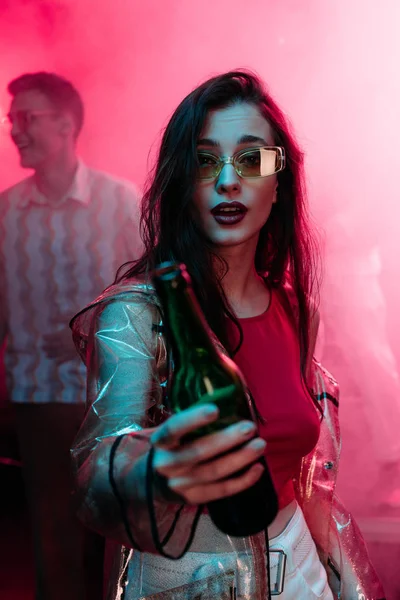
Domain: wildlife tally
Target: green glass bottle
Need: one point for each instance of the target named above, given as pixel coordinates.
(201, 369)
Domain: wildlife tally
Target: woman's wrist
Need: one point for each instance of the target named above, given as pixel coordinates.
(134, 486)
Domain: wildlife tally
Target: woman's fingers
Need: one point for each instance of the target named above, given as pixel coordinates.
(214, 444)
(173, 462)
(169, 434)
(205, 469)
(201, 494)
(220, 468)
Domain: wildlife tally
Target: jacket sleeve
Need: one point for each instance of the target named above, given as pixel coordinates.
(123, 391)
(339, 540)
(348, 550)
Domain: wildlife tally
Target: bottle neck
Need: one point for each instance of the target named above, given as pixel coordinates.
(189, 334)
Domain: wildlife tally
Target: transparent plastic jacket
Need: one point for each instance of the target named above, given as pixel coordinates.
(120, 338)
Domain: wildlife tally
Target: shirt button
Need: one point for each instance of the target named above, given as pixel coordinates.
(328, 465)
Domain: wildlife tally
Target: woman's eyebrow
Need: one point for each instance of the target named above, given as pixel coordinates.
(248, 138)
(244, 139)
(208, 142)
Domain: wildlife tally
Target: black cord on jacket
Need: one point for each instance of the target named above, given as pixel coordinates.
(153, 520)
(159, 544)
(117, 495)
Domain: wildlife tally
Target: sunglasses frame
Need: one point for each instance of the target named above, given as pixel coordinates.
(232, 160)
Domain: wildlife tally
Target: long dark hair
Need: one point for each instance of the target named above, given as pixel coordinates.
(171, 232)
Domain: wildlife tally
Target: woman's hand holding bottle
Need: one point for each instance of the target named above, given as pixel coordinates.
(205, 469)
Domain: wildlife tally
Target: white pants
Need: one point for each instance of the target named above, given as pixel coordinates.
(210, 576)
(305, 577)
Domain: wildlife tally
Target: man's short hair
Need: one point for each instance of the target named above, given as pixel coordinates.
(61, 93)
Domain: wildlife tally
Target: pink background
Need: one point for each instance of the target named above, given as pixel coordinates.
(333, 67)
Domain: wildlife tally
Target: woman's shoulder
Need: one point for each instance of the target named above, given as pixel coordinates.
(135, 294)
(288, 297)
(138, 289)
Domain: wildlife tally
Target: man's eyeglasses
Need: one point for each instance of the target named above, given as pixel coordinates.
(248, 163)
(24, 118)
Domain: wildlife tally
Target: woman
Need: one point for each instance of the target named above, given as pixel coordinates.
(227, 199)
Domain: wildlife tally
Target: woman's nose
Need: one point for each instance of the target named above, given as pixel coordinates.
(228, 181)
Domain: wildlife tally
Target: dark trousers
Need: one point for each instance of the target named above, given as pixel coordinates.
(68, 558)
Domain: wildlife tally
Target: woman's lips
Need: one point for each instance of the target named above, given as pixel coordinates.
(229, 218)
(229, 213)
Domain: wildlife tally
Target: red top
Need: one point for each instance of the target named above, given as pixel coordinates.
(269, 359)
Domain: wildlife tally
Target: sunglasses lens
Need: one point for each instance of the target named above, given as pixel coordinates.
(207, 166)
(260, 162)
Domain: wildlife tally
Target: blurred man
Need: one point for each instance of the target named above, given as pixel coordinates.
(64, 231)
